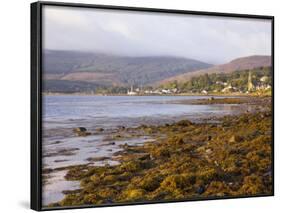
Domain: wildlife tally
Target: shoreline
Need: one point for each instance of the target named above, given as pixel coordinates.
(139, 161)
(180, 94)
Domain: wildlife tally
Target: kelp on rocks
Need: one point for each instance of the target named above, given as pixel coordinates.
(187, 160)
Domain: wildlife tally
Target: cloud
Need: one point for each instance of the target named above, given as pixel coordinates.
(210, 39)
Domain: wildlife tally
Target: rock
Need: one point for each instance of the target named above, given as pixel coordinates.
(220, 194)
(208, 151)
(58, 161)
(67, 151)
(184, 123)
(267, 114)
(211, 98)
(61, 152)
(235, 138)
(267, 174)
(200, 149)
(83, 134)
(57, 142)
(100, 129)
(79, 129)
(47, 171)
(131, 157)
(134, 194)
(122, 127)
(201, 190)
(108, 201)
(110, 143)
(125, 146)
(66, 192)
(98, 158)
(144, 156)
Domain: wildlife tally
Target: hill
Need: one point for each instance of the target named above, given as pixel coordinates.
(114, 70)
(244, 63)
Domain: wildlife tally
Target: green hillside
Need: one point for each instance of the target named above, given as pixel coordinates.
(225, 82)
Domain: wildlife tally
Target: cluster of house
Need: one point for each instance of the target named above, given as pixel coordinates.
(161, 91)
(261, 85)
(138, 91)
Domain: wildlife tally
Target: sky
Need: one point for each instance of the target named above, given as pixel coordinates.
(210, 39)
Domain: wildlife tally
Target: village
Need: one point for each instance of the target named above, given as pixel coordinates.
(261, 84)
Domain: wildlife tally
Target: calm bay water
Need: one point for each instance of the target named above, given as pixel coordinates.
(62, 113)
(92, 111)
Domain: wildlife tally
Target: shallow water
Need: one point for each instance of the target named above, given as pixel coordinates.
(61, 114)
(107, 111)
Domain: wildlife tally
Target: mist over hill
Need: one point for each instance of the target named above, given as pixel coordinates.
(114, 70)
(73, 71)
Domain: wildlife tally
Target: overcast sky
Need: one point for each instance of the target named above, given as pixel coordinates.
(209, 39)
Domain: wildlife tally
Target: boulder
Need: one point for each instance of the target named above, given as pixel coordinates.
(79, 129)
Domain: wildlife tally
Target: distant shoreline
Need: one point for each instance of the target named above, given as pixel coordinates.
(181, 94)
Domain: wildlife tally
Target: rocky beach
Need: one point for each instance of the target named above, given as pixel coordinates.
(215, 155)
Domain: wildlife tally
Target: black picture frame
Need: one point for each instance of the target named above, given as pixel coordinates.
(36, 99)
